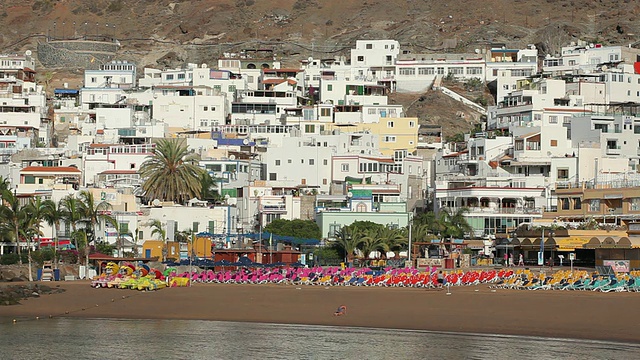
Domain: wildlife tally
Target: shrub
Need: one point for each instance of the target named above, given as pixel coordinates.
(9, 259)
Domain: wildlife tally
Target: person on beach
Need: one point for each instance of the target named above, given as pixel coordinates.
(506, 259)
(342, 310)
(440, 279)
(511, 259)
(521, 260)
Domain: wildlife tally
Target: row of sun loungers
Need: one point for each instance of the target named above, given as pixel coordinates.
(520, 279)
(565, 280)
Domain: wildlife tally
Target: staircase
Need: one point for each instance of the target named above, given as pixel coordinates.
(47, 271)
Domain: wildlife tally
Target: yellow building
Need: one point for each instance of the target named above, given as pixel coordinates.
(153, 248)
(201, 247)
(394, 133)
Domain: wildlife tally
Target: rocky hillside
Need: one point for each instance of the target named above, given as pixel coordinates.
(163, 33)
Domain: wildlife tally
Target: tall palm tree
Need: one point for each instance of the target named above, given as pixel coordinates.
(171, 173)
(94, 212)
(29, 228)
(72, 214)
(53, 214)
(36, 211)
(11, 213)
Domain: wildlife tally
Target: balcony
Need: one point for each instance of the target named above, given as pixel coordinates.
(517, 210)
(320, 209)
(273, 208)
(613, 150)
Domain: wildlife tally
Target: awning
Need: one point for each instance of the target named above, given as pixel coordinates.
(571, 243)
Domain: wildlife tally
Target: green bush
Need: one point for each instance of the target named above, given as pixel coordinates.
(42, 255)
(9, 259)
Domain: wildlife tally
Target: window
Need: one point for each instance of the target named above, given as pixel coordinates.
(594, 205)
(474, 71)
(204, 122)
(205, 108)
(554, 142)
(289, 161)
(577, 203)
(330, 87)
(333, 230)
(389, 138)
(232, 88)
(309, 128)
(273, 176)
(457, 70)
(325, 112)
(94, 80)
(311, 161)
(360, 58)
(369, 46)
(566, 120)
(425, 71)
(564, 203)
(169, 76)
(124, 227)
(407, 71)
(324, 162)
(412, 124)
(440, 71)
(563, 174)
(344, 167)
(389, 124)
(180, 76)
(635, 204)
(553, 119)
(277, 162)
(537, 116)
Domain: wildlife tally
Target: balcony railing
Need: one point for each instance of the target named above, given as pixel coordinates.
(504, 210)
(273, 208)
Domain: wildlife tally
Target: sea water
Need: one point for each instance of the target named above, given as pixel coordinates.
(66, 338)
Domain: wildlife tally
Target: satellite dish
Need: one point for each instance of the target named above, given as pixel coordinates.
(34, 164)
(349, 194)
(28, 52)
(477, 51)
(232, 157)
(155, 202)
(245, 141)
(604, 67)
(226, 196)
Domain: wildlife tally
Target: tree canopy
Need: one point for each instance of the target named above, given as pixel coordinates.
(305, 229)
(171, 173)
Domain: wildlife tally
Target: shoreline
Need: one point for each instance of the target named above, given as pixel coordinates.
(470, 310)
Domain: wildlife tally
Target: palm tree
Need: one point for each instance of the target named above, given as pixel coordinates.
(11, 213)
(36, 211)
(72, 214)
(348, 240)
(373, 242)
(93, 214)
(453, 223)
(29, 228)
(157, 229)
(52, 215)
(171, 173)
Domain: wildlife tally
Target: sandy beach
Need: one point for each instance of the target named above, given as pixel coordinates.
(562, 314)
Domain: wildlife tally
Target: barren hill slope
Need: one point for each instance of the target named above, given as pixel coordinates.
(164, 33)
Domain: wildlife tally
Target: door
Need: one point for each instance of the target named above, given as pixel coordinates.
(147, 253)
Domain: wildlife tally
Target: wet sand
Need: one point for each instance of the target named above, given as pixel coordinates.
(562, 314)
